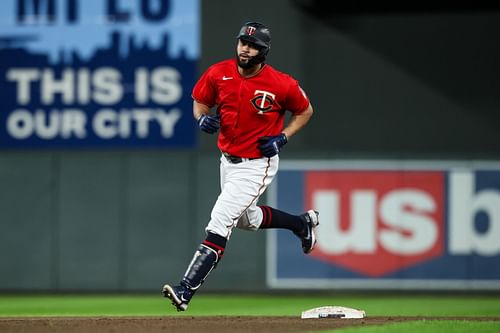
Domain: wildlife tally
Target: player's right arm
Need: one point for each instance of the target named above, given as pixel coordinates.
(204, 95)
(206, 122)
(200, 109)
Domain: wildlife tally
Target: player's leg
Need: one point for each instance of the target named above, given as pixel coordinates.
(265, 217)
(205, 259)
(301, 225)
(244, 184)
(241, 185)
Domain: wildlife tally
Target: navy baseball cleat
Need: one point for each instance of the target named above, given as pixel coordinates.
(179, 295)
(308, 236)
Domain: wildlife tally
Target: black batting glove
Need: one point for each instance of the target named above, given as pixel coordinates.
(271, 145)
(208, 123)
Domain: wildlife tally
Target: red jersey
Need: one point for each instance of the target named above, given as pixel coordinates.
(249, 107)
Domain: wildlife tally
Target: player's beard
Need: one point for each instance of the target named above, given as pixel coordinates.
(250, 62)
(245, 64)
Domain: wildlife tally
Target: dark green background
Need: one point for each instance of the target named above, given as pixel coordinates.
(418, 83)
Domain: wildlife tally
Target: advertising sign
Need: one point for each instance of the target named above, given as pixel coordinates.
(97, 73)
(390, 225)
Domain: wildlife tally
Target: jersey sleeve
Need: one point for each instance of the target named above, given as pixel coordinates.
(297, 100)
(204, 90)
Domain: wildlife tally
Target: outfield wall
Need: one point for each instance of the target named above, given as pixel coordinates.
(113, 214)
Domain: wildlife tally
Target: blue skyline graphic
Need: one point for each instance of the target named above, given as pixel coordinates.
(59, 39)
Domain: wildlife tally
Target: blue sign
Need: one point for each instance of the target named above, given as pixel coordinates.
(98, 73)
(391, 225)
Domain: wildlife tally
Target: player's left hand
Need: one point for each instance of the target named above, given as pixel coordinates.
(271, 145)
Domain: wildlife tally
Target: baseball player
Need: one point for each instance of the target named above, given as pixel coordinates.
(251, 98)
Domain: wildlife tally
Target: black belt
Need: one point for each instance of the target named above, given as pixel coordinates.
(236, 159)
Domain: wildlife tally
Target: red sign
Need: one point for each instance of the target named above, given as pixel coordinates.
(378, 221)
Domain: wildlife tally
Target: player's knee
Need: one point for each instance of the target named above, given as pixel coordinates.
(245, 223)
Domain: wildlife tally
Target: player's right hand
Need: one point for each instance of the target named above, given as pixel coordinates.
(209, 123)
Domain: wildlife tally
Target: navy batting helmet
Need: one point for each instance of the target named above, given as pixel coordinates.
(258, 34)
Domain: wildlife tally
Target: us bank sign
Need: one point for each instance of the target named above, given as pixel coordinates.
(390, 225)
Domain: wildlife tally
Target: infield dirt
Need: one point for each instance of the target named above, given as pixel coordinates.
(184, 324)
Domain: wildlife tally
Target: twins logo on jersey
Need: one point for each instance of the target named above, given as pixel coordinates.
(263, 101)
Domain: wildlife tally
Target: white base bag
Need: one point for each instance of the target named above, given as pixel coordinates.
(333, 312)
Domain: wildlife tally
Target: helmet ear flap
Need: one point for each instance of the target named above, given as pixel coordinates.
(265, 50)
(258, 59)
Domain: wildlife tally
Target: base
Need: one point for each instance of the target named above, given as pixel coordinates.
(333, 312)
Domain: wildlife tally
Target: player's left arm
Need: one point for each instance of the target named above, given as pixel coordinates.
(298, 121)
(271, 145)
